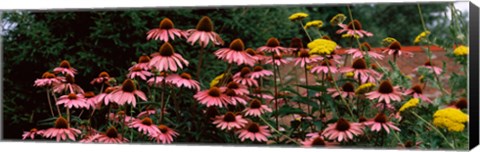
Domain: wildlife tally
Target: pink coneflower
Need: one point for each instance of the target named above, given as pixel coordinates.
(304, 58)
(273, 46)
(166, 59)
(158, 80)
(165, 31)
(395, 48)
(204, 33)
(143, 63)
(235, 54)
(166, 135)
(343, 130)
(324, 67)
(259, 93)
(31, 134)
(102, 78)
(417, 92)
(234, 98)
(381, 122)
(257, 56)
(127, 94)
(253, 131)
(259, 72)
(244, 77)
(184, 80)
(318, 141)
(388, 106)
(361, 71)
(238, 88)
(313, 134)
(436, 70)
(138, 72)
(256, 108)
(149, 111)
(65, 69)
(61, 130)
(145, 126)
(67, 84)
(277, 60)
(48, 79)
(367, 49)
(386, 92)
(121, 117)
(73, 100)
(353, 28)
(296, 45)
(212, 97)
(461, 103)
(347, 90)
(230, 121)
(91, 100)
(106, 96)
(111, 136)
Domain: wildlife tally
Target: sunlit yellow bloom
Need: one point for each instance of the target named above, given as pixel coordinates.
(216, 80)
(364, 88)
(461, 51)
(409, 104)
(314, 23)
(450, 118)
(298, 16)
(421, 36)
(387, 41)
(350, 36)
(322, 46)
(337, 19)
(349, 74)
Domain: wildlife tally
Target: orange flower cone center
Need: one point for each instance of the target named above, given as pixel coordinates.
(255, 104)
(65, 64)
(237, 45)
(144, 59)
(166, 24)
(359, 64)
(147, 121)
(186, 76)
(253, 128)
(273, 42)
(229, 117)
(355, 24)
(166, 50)
(128, 86)
(214, 92)
(233, 85)
(385, 87)
(381, 118)
(205, 24)
(112, 132)
(61, 123)
(348, 87)
(342, 125)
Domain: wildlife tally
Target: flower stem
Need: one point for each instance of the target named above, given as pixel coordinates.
(275, 92)
(434, 128)
(309, 111)
(50, 103)
(276, 130)
(308, 35)
(199, 65)
(398, 138)
(163, 100)
(338, 90)
(58, 108)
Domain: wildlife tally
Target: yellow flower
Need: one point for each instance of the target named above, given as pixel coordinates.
(314, 23)
(337, 19)
(421, 36)
(450, 118)
(409, 104)
(387, 41)
(216, 80)
(322, 46)
(364, 88)
(298, 16)
(461, 51)
(309, 67)
(349, 74)
(350, 36)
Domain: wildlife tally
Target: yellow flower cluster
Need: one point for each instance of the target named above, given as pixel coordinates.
(322, 46)
(216, 80)
(314, 23)
(421, 36)
(298, 16)
(337, 19)
(387, 41)
(409, 104)
(450, 118)
(364, 88)
(356, 36)
(461, 51)
(349, 74)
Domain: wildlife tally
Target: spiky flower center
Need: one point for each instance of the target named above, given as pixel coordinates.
(304, 54)
(277, 57)
(255, 104)
(237, 45)
(33, 130)
(137, 69)
(273, 42)
(359, 64)
(244, 71)
(326, 37)
(69, 79)
(147, 121)
(233, 85)
(65, 64)
(462, 103)
(112, 132)
(355, 24)
(166, 50)
(428, 63)
(205, 24)
(257, 68)
(214, 92)
(253, 128)
(381, 118)
(166, 24)
(348, 87)
(230, 92)
(89, 94)
(103, 74)
(144, 59)
(417, 89)
(385, 87)
(121, 113)
(342, 125)
(61, 123)
(109, 90)
(251, 52)
(186, 76)
(395, 45)
(128, 85)
(229, 117)
(318, 142)
(325, 63)
(72, 96)
(365, 46)
(362, 119)
(48, 75)
(296, 43)
(163, 128)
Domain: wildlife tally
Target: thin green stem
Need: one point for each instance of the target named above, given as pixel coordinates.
(276, 130)
(308, 35)
(50, 102)
(338, 90)
(434, 128)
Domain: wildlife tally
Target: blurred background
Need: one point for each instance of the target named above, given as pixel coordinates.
(110, 40)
